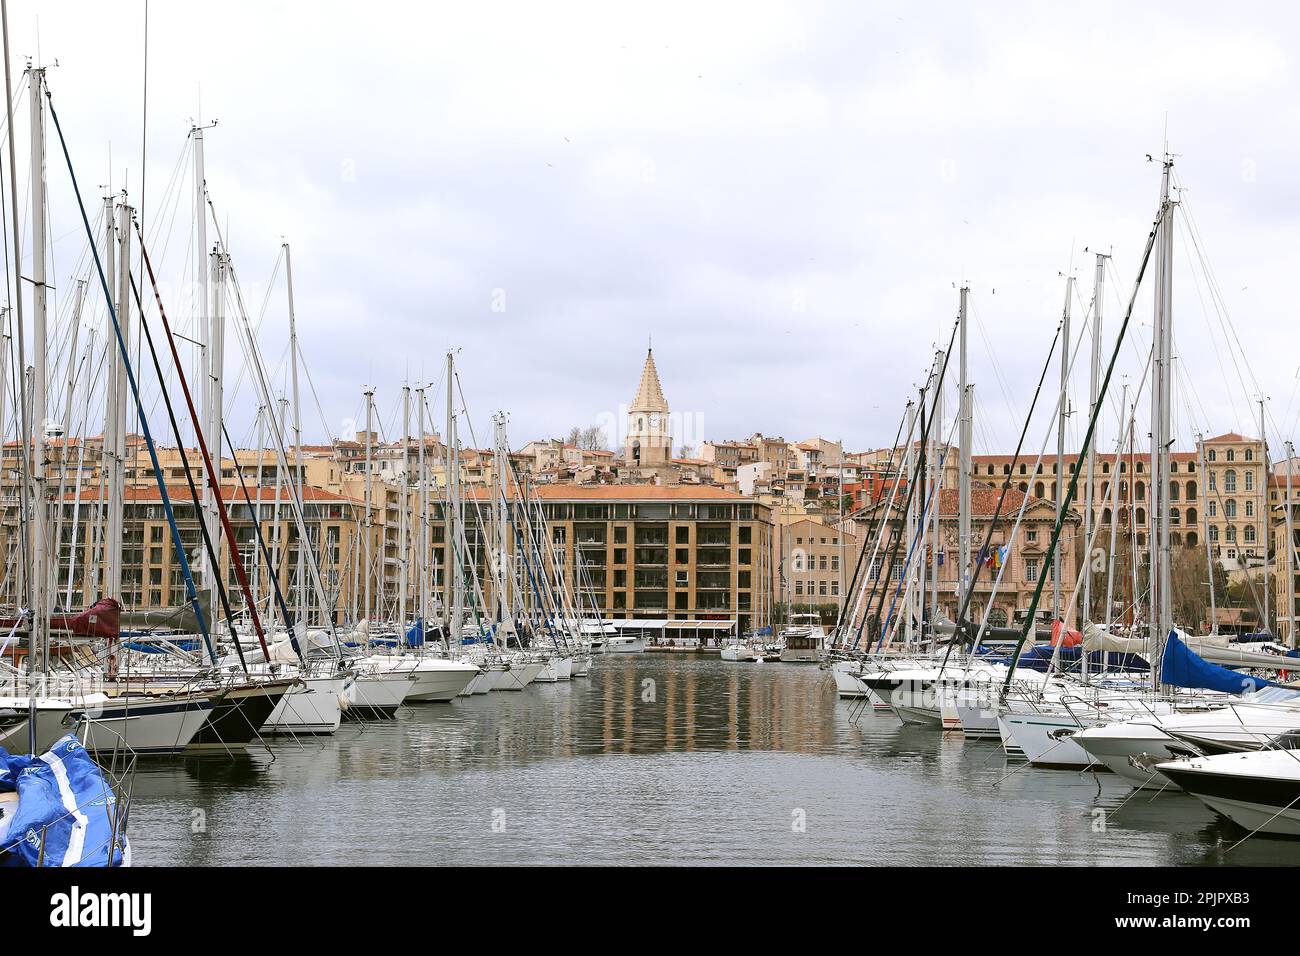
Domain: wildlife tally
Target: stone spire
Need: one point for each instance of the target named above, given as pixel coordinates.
(649, 442)
(649, 394)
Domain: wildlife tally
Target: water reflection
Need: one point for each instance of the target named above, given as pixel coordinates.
(657, 759)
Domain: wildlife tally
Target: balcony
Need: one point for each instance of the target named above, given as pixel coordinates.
(713, 557)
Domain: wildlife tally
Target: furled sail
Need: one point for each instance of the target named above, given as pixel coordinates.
(1182, 667)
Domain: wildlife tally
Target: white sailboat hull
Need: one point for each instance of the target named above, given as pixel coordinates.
(315, 708)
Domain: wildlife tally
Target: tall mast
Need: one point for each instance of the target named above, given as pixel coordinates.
(299, 479)
(502, 561)
(257, 501)
(1268, 531)
(1290, 553)
(1161, 600)
(203, 272)
(117, 411)
(1114, 510)
(1063, 414)
(369, 544)
(936, 486)
(403, 512)
(1094, 396)
(20, 359)
(39, 580)
(909, 523)
(216, 352)
(966, 427)
(424, 518)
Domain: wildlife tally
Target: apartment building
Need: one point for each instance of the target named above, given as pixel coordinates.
(812, 562)
(672, 553)
(1019, 565)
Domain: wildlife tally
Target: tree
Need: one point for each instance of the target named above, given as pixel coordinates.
(591, 438)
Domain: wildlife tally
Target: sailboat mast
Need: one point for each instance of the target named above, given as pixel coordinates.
(1063, 413)
(936, 485)
(299, 478)
(1161, 600)
(213, 429)
(1094, 396)
(909, 523)
(369, 544)
(424, 516)
(403, 520)
(1263, 438)
(39, 579)
(117, 411)
(1290, 550)
(964, 439)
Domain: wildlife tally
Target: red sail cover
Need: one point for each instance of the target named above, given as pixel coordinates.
(101, 619)
(1072, 638)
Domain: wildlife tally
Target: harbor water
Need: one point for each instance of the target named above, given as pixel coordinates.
(660, 759)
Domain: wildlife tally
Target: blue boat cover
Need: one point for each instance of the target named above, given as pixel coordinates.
(1183, 667)
(415, 636)
(64, 795)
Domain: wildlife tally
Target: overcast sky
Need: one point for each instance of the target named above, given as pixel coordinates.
(784, 196)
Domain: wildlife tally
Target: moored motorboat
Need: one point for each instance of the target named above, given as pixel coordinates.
(1258, 791)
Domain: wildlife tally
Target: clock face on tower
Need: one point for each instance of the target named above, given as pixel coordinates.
(654, 420)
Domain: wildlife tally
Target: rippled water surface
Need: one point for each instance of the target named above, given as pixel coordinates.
(659, 759)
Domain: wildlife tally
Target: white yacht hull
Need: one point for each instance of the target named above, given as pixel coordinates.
(378, 695)
(158, 726)
(316, 708)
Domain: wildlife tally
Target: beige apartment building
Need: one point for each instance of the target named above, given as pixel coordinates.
(1019, 567)
(674, 553)
(812, 562)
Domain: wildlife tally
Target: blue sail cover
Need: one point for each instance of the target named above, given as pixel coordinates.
(63, 795)
(415, 636)
(1183, 667)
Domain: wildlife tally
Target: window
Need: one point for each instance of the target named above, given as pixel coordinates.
(1250, 534)
(683, 535)
(1250, 454)
(1230, 508)
(1232, 455)
(1250, 481)
(1212, 456)
(1214, 509)
(1230, 481)
(798, 588)
(1250, 507)
(1031, 569)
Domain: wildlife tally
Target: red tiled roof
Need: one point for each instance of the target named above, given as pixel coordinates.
(229, 493)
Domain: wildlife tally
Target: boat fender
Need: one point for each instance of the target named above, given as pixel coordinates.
(344, 703)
